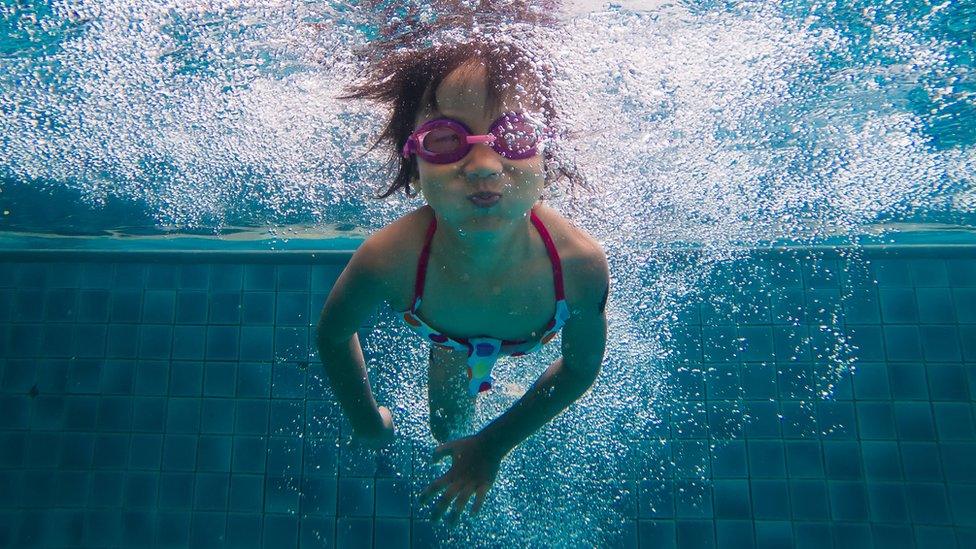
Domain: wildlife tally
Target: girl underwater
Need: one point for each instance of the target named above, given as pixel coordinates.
(483, 270)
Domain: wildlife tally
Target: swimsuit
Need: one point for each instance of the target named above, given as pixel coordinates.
(484, 351)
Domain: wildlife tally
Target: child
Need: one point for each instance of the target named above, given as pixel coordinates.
(484, 269)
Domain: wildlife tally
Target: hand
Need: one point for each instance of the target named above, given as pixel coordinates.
(473, 471)
(384, 436)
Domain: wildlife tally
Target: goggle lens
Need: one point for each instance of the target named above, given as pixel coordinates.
(445, 140)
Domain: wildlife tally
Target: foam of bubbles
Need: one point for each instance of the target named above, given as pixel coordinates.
(717, 128)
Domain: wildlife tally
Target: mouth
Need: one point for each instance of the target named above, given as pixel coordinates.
(484, 199)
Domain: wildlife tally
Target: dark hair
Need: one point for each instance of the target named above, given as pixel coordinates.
(403, 77)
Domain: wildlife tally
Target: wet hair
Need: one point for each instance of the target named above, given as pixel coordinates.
(404, 78)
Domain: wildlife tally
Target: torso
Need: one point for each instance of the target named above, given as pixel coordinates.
(515, 307)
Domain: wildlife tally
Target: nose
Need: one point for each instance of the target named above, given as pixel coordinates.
(482, 162)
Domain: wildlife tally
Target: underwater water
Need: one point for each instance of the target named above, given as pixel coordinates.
(785, 191)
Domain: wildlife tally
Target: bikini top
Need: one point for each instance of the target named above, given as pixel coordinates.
(484, 351)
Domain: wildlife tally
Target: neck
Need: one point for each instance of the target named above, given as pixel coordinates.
(488, 252)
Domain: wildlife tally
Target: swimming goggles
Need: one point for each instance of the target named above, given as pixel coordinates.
(515, 136)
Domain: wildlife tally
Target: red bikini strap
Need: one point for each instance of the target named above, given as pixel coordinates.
(418, 285)
(557, 267)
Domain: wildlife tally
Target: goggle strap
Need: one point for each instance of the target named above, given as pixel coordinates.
(489, 138)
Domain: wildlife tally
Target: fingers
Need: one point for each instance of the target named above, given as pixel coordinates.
(480, 499)
(436, 486)
(445, 500)
(459, 503)
(441, 451)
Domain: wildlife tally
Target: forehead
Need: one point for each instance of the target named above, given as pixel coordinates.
(465, 91)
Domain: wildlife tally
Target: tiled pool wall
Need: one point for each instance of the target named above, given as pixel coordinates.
(171, 400)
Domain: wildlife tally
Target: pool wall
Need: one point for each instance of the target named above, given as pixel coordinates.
(169, 399)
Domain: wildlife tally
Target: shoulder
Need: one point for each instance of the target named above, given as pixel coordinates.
(586, 271)
(389, 255)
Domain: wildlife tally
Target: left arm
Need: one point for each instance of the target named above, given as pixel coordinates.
(570, 376)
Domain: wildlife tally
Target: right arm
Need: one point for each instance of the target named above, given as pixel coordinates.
(354, 296)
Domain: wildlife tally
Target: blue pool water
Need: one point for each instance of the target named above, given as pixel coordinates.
(785, 192)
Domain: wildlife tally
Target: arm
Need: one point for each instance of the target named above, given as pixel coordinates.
(565, 381)
(354, 296)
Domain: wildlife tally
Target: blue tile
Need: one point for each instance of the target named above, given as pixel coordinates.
(795, 381)
(250, 454)
(173, 528)
(80, 412)
(724, 419)
(657, 534)
(940, 343)
(25, 341)
(887, 502)
(321, 419)
(257, 343)
(42, 449)
(129, 275)
(695, 533)
(319, 497)
(898, 305)
(111, 451)
(947, 382)
(118, 377)
(67, 527)
(27, 306)
(33, 529)
(245, 530)
(186, 379)
(958, 458)
(758, 381)
(693, 499)
(770, 499)
(125, 306)
(690, 458)
(110, 488)
(259, 277)
(162, 277)
(59, 304)
(63, 275)
(146, 451)
(72, 488)
(258, 308)
(93, 306)
(42, 489)
(149, 414)
(791, 343)
(902, 343)
(179, 453)
(965, 304)
(103, 528)
(289, 380)
(321, 457)
(121, 341)
(766, 459)
(226, 277)
(774, 534)
(191, 308)
(821, 306)
(291, 309)
(756, 343)
(217, 416)
(927, 503)
(935, 306)
(954, 421)
(58, 340)
(836, 420)
(962, 272)
(291, 344)
(287, 417)
(84, 376)
(848, 500)
(729, 459)
(875, 421)
(138, 528)
(392, 498)
(355, 497)
(97, 275)
(141, 489)
(929, 272)
(913, 421)
(394, 533)
(183, 415)
(176, 490)
(281, 494)
(732, 500)
(194, 277)
(213, 453)
(967, 333)
(719, 343)
(280, 531)
(155, 342)
(871, 381)
(210, 491)
(868, 341)
(159, 307)
(284, 456)
(293, 278)
(763, 420)
(933, 537)
(892, 272)
(354, 532)
(962, 498)
(225, 308)
(254, 380)
(252, 417)
(920, 460)
(246, 493)
(189, 342)
(207, 529)
(809, 499)
(152, 378)
(842, 460)
(811, 535)
(907, 382)
(799, 419)
(18, 376)
(222, 342)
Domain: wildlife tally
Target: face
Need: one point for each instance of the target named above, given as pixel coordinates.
(446, 187)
